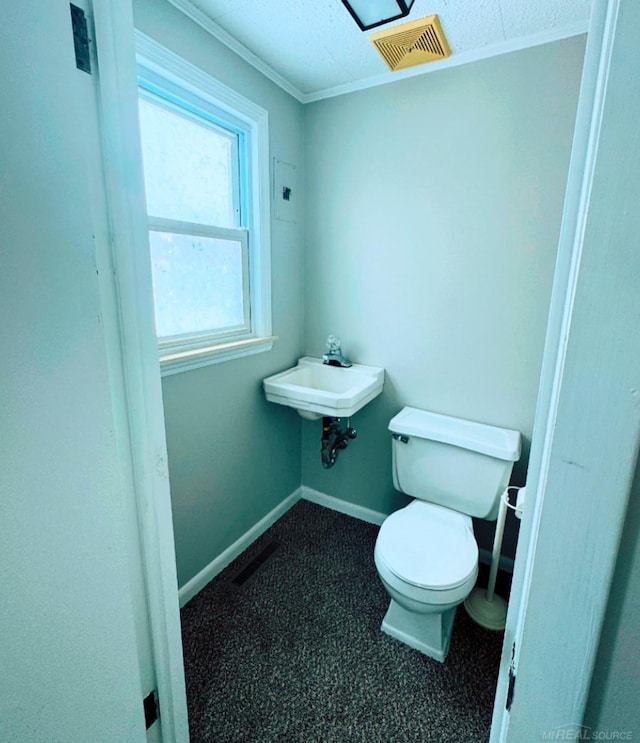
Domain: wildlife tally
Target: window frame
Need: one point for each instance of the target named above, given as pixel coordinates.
(169, 344)
(161, 70)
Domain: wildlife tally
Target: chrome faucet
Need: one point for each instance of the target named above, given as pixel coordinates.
(334, 356)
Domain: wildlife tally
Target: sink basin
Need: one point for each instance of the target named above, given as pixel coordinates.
(315, 389)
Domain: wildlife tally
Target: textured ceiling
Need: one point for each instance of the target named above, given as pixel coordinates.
(315, 46)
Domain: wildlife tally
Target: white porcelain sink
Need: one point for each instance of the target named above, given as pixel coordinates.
(315, 389)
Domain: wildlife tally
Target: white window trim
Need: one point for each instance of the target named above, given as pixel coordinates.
(159, 61)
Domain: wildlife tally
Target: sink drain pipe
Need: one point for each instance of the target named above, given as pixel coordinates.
(334, 438)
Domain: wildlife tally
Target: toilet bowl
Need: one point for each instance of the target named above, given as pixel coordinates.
(426, 553)
(428, 556)
(427, 559)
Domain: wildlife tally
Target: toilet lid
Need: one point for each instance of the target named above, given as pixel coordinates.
(428, 546)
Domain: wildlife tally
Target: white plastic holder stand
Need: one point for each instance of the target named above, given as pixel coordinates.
(483, 605)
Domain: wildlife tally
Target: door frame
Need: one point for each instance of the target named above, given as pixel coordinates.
(587, 428)
(142, 390)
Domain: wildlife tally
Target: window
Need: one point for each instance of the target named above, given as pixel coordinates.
(205, 163)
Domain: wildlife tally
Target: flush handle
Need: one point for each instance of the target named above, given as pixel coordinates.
(400, 437)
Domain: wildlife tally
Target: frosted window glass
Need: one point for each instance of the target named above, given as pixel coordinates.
(188, 168)
(197, 283)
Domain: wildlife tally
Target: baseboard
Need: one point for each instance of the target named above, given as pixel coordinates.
(376, 517)
(216, 566)
(343, 506)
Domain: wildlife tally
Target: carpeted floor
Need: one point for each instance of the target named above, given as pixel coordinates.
(295, 653)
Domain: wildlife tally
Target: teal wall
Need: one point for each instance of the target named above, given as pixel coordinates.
(233, 457)
(426, 239)
(433, 214)
(400, 271)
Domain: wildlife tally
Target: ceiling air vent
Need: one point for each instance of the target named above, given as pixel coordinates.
(412, 43)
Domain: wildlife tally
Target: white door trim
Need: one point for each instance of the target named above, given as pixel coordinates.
(114, 32)
(584, 447)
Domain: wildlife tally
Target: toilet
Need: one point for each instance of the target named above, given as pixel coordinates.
(426, 553)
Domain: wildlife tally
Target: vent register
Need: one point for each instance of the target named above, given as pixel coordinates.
(412, 43)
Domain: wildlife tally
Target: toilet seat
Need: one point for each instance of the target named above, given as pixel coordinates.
(429, 547)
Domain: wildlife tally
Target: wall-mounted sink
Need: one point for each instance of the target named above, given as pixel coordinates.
(315, 389)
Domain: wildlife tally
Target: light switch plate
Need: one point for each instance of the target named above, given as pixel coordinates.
(285, 191)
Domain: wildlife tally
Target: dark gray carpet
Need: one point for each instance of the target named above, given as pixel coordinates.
(296, 653)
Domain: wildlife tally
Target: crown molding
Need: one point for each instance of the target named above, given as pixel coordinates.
(455, 60)
(203, 20)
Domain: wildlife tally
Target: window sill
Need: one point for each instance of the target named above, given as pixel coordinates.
(180, 361)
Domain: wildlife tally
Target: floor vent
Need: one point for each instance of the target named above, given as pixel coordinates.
(249, 570)
(412, 43)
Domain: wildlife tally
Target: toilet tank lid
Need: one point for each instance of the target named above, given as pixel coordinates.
(502, 443)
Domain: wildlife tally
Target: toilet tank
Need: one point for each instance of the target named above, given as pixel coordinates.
(455, 463)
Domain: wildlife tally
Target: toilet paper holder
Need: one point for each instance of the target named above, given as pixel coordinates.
(484, 606)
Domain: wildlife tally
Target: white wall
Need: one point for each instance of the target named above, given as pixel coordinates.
(232, 456)
(613, 700)
(433, 213)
